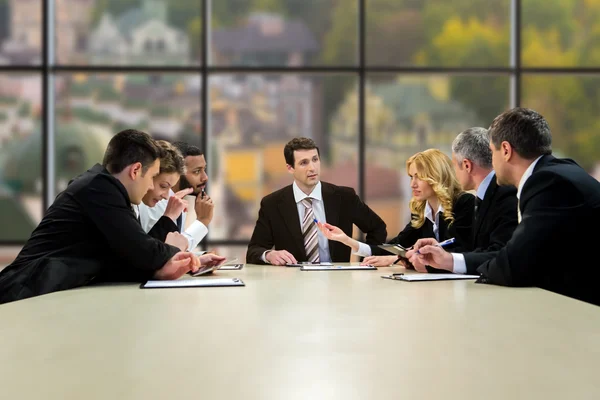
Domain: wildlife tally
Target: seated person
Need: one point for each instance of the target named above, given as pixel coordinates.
(285, 231)
(91, 232)
(193, 182)
(439, 209)
(171, 168)
(557, 200)
(495, 211)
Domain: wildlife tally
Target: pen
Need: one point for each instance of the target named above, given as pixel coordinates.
(444, 243)
(202, 194)
(316, 222)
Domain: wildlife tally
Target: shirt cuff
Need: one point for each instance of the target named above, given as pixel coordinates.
(364, 250)
(460, 266)
(195, 233)
(264, 257)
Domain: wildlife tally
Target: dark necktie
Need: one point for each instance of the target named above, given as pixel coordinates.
(180, 222)
(309, 232)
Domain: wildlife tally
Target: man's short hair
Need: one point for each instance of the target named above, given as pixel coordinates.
(129, 147)
(300, 143)
(172, 160)
(188, 149)
(526, 131)
(474, 145)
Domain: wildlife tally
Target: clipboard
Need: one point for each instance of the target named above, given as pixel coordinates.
(338, 268)
(428, 277)
(231, 267)
(188, 283)
(394, 249)
(303, 263)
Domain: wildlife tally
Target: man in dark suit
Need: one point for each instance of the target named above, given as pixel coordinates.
(280, 237)
(91, 233)
(495, 217)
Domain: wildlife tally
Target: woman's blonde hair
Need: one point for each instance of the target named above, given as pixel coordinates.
(172, 160)
(435, 168)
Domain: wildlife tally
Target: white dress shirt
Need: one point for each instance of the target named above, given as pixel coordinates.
(460, 266)
(364, 250)
(149, 215)
(524, 178)
(318, 211)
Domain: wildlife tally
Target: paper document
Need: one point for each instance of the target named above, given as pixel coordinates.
(193, 283)
(336, 267)
(428, 277)
(233, 266)
(301, 264)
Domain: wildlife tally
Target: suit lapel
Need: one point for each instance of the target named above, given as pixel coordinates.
(332, 203)
(289, 213)
(485, 205)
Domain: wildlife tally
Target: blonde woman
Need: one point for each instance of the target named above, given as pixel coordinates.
(439, 209)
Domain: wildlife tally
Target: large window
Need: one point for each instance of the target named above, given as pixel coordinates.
(372, 81)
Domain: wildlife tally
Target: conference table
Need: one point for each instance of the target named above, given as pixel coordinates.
(292, 334)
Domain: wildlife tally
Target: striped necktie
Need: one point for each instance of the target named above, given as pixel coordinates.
(309, 232)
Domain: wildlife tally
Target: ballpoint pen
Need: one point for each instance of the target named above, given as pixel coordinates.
(442, 244)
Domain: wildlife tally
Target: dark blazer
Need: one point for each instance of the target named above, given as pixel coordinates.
(460, 229)
(278, 224)
(550, 248)
(495, 223)
(162, 227)
(90, 233)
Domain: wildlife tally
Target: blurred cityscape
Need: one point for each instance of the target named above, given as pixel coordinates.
(252, 115)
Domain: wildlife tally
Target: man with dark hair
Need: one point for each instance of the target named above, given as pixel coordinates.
(91, 233)
(495, 217)
(286, 231)
(194, 178)
(557, 200)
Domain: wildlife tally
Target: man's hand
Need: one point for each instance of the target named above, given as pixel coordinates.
(211, 260)
(379, 261)
(431, 255)
(204, 208)
(176, 205)
(180, 264)
(178, 240)
(280, 257)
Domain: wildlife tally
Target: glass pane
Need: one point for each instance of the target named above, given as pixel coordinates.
(570, 105)
(90, 109)
(20, 32)
(252, 117)
(284, 32)
(560, 33)
(21, 184)
(128, 32)
(438, 33)
(408, 114)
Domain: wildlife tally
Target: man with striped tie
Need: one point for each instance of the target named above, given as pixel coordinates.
(286, 231)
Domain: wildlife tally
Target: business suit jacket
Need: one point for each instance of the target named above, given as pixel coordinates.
(90, 233)
(495, 223)
(460, 229)
(551, 248)
(162, 227)
(278, 224)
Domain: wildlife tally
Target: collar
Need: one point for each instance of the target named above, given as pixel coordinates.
(526, 176)
(299, 195)
(429, 212)
(485, 184)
